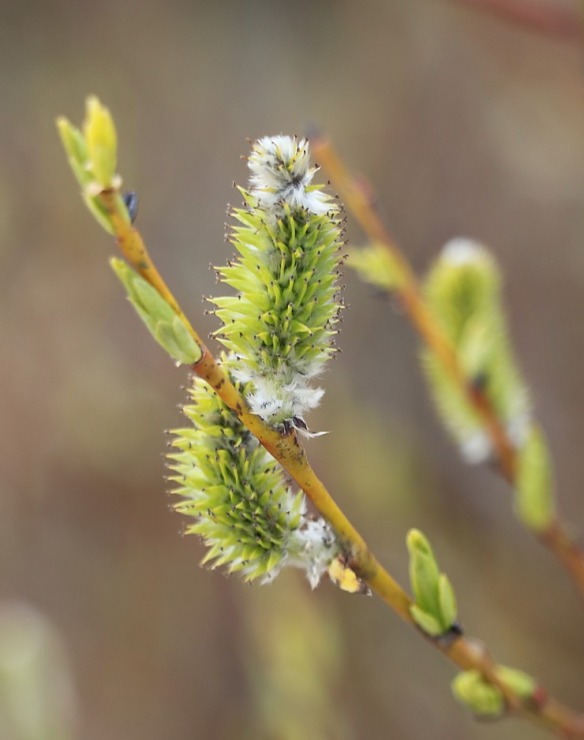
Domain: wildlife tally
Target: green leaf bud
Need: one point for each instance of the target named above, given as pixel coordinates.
(463, 293)
(446, 600)
(484, 699)
(167, 328)
(534, 500)
(238, 498)
(375, 264)
(434, 610)
(280, 326)
(426, 622)
(101, 140)
(519, 682)
(92, 156)
(76, 150)
(424, 572)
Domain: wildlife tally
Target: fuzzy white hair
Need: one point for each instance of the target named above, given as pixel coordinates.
(281, 173)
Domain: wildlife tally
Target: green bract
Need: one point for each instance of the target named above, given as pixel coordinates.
(280, 326)
(463, 292)
(239, 499)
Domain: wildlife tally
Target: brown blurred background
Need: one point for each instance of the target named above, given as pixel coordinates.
(465, 125)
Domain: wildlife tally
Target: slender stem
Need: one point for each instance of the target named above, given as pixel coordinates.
(359, 200)
(286, 449)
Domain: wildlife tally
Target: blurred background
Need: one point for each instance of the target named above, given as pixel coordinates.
(465, 124)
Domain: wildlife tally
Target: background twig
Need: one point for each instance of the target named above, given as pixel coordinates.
(563, 19)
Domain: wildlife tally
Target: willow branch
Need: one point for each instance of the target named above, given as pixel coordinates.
(285, 447)
(359, 200)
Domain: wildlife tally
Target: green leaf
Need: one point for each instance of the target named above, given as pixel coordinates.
(167, 328)
(185, 351)
(145, 296)
(534, 501)
(185, 340)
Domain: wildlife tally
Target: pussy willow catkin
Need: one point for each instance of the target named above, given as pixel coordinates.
(238, 497)
(279, 327)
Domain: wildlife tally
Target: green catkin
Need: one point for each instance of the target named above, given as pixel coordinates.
(463, 293)
(280, 326)
(238, 499)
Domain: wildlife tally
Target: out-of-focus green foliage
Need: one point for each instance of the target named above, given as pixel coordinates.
(463, 293)
(534, 500)
(295, 667)
(376, 265)
(37, 699)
